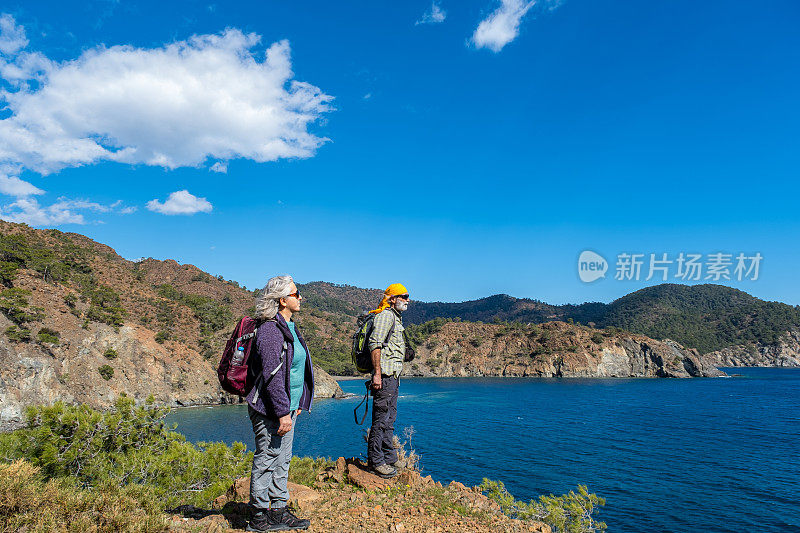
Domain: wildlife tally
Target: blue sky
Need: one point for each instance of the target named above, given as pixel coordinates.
(418, 148)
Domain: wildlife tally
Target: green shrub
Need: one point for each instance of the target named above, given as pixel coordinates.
(105, 306)
(110, 353)
(418, 333)
(18, 334)
(49, 336)
(597, 338)
(304, 470)
(8, 272)
(433, 362)
(71, 300)
(107, 371)
(14, 304)
(129, 447)
(540, 350)
(161, 336)
(568, 513)
(212, 315)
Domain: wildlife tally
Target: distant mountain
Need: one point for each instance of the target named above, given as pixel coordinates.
(706, 317)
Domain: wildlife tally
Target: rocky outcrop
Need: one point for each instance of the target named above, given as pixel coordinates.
(325, 386)
(784, 353)
(361, 501)
(552, 349)
(70, 371)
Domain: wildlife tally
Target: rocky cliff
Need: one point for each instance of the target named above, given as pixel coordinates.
(82, 325)
(552, 349)
(93, 366)
(784, 353)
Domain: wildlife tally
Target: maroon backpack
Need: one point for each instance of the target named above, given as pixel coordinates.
(232, 369)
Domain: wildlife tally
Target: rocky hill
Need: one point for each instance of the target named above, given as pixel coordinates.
(706, 317)
(784, 353)
(552, 349)
(81, 324)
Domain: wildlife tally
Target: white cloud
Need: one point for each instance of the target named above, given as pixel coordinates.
(180, 203)
(220, 167)
(502, 25)
(13, 186)
(434, 16)
(208, 97)
(65, 204)
(28, 211)
(12, 36)
(64, 211)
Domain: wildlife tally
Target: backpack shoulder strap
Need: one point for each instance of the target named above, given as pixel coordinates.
(257, 384)
(284, 351)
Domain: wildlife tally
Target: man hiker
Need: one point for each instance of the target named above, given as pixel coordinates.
(387, 347)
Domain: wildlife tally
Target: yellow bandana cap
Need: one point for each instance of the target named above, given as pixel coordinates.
(395, 289)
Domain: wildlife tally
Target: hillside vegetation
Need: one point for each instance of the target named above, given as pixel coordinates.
(705, 317)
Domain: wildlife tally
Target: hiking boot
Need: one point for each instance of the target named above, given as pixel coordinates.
(281, 519)
(259, 522)
(385, 471)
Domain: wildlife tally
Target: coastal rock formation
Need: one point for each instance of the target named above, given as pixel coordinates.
(785, 353)
(325, 386)
(80, 324)
(552, 349)
(72, 371)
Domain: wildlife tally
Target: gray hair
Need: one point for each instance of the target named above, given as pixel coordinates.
(275, 289)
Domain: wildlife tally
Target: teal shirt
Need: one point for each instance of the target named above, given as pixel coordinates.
(298, 371)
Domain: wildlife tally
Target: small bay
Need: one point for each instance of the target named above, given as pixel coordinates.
(702, 454)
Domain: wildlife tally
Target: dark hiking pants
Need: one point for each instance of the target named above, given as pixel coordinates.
(384, 412)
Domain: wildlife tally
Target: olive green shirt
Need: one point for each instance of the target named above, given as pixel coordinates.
(393, 350)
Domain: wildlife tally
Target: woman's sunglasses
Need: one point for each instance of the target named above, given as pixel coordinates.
(296, 294)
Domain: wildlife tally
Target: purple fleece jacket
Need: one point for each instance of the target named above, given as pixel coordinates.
(270, 395)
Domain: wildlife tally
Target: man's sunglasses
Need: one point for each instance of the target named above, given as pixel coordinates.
(403, 296)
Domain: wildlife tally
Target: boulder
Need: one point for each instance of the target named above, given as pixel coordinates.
(325, 386)
(299, 495)
(360, 477)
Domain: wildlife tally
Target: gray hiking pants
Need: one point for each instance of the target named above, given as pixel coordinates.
(269, 477)
(380, 448)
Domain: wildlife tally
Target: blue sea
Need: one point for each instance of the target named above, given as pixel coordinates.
(699, 455)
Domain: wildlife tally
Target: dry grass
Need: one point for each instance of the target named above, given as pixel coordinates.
(29, 504)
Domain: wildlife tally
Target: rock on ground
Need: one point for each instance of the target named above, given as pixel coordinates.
(347, 497)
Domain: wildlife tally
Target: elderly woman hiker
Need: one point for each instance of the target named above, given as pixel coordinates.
(284, 385)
